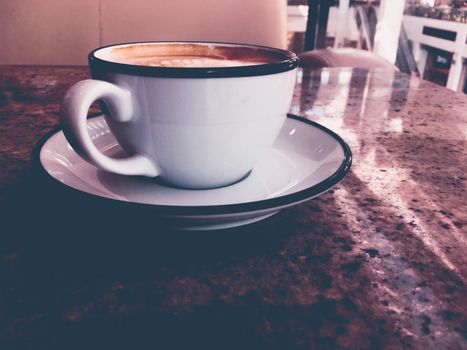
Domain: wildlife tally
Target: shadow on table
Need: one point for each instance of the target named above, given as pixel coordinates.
(61, 224)
(100, 276)
(94, 274)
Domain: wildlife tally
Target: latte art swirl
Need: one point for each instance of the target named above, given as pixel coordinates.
(188, 55)
(190, 61)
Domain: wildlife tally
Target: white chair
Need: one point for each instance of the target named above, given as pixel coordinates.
(345, 57)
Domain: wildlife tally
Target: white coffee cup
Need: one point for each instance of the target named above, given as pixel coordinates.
(201, 121)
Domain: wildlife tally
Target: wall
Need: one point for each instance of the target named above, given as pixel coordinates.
(64, 31)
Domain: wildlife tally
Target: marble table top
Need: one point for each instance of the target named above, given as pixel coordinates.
(379, 262)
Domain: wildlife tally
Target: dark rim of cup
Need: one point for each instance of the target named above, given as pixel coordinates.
(99, 65)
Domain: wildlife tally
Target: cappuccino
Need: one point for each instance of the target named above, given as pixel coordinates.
(198, 115)
(186, 55)
(188, 61)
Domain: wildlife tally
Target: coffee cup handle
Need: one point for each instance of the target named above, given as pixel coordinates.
(73, 116)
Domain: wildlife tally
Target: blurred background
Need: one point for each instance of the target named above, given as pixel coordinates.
(422, 37)
(431, 34)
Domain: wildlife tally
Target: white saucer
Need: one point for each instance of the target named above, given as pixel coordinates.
(306, 160)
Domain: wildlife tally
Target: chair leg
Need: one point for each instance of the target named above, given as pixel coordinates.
(311, 24)
(322, 23)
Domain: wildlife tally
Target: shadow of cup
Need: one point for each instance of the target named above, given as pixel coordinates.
(56, 224)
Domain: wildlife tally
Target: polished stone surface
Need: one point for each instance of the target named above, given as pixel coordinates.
(380, 262)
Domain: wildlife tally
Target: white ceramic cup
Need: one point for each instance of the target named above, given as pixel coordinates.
(195, 127)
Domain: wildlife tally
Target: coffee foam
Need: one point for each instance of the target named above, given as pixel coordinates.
(188, 61)
(189, 55)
